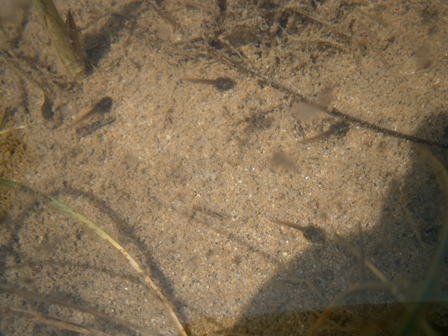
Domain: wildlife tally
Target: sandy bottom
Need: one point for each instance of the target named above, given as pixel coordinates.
(189, 175)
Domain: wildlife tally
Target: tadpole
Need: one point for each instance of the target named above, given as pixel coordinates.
(311, 233)
(220, 83)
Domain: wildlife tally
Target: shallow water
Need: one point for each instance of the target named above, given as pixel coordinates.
(189, 178)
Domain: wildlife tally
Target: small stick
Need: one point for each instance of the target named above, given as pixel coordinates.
(6, 131)
(89, 129)
(341, 128)
(211, 213)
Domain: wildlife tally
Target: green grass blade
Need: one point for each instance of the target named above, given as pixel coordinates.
(65, 208)
(64, 37)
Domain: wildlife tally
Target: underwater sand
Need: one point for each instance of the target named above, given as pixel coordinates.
(187, 177)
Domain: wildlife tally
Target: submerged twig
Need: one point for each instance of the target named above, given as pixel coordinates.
(332, 112)
(89, 129)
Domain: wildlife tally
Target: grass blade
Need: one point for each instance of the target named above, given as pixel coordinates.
(64, 37)
(65, 208)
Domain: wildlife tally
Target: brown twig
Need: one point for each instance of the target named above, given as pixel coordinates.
(332, 112)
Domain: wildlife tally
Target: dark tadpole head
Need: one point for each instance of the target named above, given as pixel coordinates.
(224, 83)
(314, 235)
(104, 105)
(47, 109)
